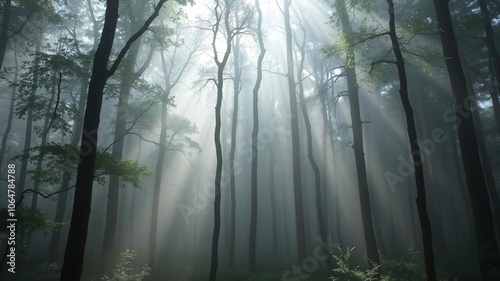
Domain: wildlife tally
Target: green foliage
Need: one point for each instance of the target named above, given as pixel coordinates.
(123, 270)
(128, 171)
(178, 130)
(67, 157)
(408, 267)
(29, 220)
(47, 272)
(345, 271)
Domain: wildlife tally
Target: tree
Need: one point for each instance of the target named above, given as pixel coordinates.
(222, 13)
(473, 169)
(252, 259)
(425, 223)
(494, 56)
(323, 232)
(172, 75)
(128, 78)
(357, 133)
(75, 247)
(294, 123)
(232, 151)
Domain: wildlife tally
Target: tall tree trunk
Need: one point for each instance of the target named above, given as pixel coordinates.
(488, 175)
(425, 223)
(77, 237)
(476, 183)
(47, 124)
(158, 179)
(232, 149)
(29, 118)
(323, 231)
(252, 259)
(294, 123)
(159, 164)
(357, 132)
(129, 77)
(221, 64)
(55, 239)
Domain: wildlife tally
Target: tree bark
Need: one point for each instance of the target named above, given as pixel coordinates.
(323, 231)
(357, 132)
(77, 237)
(425, 223)
(221, 64)
(255, 132)
(55, 239)
(473, 168)
(232, 149)
(294, 123)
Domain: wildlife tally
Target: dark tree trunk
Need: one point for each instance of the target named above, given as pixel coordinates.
(252, 259)
(488, 175)
(323, 232)
(473, 169)
(232, 149)
(425, 223)
(29, 120)
(221, 64)
(357, 132)
(77, 237)
(109, 237)
(294, 123)
(55, 239)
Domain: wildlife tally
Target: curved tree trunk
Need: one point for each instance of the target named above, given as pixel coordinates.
(255, 132)
(323, 231)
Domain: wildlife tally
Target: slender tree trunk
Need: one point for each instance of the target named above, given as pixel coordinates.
(425, 223)
(476, 183)
(357, 132)
(62, 200)
(255, 132)
(158, 179)
(294, 123)
(159, 164)
(232, 149)
(323, 231)
(221, 64)
(29, 119)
